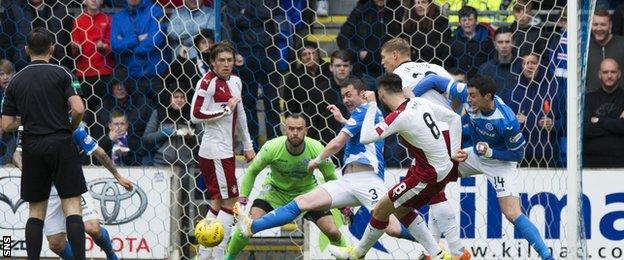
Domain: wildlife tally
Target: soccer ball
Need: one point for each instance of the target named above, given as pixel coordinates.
(209, 232)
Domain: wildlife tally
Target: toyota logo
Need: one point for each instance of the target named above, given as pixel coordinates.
(14, 209)
(117, 205)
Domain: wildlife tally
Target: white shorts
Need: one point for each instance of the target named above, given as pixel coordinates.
(501, 174)
(355, 189)
(55, 217)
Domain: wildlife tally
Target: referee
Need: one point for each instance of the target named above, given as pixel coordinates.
(38, 97)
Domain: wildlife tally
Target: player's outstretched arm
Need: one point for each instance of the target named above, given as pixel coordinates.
(330, 149)
(10, 123)
(106, 161)
(429, 82)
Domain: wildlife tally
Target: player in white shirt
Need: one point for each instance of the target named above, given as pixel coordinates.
(55, 227)
(216, 104)
(430, 132)
(396, 57)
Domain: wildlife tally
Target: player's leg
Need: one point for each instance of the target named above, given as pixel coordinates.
(220, 178)
(59, 245)
(238, 241)
(325, 222)
(503, 176)
(368, 188)
(321, 198)
(443, 218)
(55, 229)
(99, 234)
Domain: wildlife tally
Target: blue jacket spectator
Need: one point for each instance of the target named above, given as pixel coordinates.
(186, 23)
(138, 39)
(471, 44)
(535, 102)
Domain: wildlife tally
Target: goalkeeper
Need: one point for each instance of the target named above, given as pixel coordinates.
(288, 158)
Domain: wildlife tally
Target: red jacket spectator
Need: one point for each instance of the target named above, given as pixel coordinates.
(89, 31)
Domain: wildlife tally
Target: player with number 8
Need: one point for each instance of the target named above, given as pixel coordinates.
(427, 131)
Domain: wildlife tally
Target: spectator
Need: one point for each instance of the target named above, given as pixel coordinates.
(524, 33)
(186, 72)
(471, 44)
(426, 30)
(603, 138)
(503, 68)
(481, 5)
(7, 141)
(603, 44)
(533, 101)
(52, 15)
(186, 23)
(303, 92)
(558, 68)
(6, 73)
(117, 141)
(91, 45)
(139, 43)
(170, 129)
(341, 68)
(136, 113)
(368, 26)
(253, 32)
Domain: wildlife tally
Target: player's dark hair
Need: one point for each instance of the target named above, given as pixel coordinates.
(298, 116)
(390, 82)
(467, 11)
(357, 84)
(220, 47)
(344, 55)
(39, 41)
(484, 84)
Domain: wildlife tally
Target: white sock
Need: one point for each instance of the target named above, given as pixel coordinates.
(418, 229)
(433, 226)
(370, 236)
(446, 222)
(227, 219)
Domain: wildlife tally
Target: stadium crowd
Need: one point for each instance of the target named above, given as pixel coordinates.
(138, 62)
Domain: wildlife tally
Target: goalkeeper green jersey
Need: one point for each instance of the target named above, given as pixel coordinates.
(289, 172)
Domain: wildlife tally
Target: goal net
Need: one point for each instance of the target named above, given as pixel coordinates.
(131, 88)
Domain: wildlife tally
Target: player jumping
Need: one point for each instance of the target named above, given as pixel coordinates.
(396, 57)
(54, 228)
(499, 145)
(362, 180)
(288, 158)
(422, 126)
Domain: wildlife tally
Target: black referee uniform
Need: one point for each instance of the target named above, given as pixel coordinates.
(39, 94)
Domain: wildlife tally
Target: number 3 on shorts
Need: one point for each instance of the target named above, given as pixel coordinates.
(399, 189)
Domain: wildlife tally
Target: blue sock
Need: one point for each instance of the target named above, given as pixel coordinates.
(104, 242)
(276, 218)
(531, 234)
(67, 252)
(405, 234)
